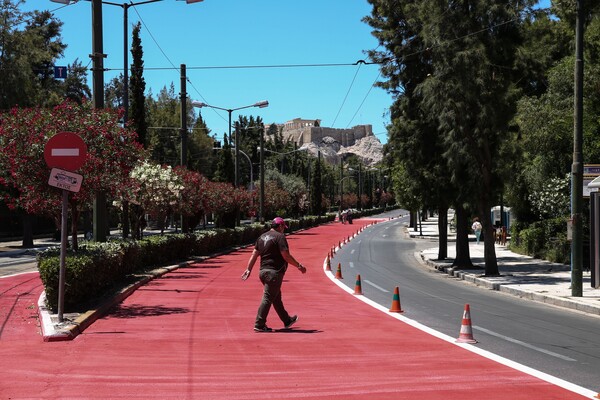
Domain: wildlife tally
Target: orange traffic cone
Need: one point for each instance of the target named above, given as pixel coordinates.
(466, 333)
(358, 286)
(338, 273)
(396, 301)
(328, 264)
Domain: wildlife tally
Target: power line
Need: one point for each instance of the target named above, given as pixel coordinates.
(364, 99)
(314, 65)
(346, 97)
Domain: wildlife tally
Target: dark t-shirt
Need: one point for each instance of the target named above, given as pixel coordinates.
(269, 245)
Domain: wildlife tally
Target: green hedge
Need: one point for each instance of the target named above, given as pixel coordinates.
(545, 239)
(96, 268)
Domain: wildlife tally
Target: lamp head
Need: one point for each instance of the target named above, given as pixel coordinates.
(193, 1)
(262, 104)
(67, 2)
(199, 104)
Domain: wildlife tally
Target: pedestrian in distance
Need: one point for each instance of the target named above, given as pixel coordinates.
(477, 229)
(274, 252)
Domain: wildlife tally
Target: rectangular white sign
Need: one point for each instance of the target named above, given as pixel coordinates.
(65, 180)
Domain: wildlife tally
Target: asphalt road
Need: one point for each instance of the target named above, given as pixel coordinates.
(559, 342)
(17, 264)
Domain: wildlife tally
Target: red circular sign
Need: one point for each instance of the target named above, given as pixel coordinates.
(65, 150)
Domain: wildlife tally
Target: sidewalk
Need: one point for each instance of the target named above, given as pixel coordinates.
(521, 275)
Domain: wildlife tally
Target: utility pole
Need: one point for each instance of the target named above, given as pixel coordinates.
(262, 175)
(183, 97)
(577, 167)
(125, 66)
(341, 184)
(360, 186)
(236, 178)
(100, 219)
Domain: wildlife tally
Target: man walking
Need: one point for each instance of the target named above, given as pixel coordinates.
(275, 256)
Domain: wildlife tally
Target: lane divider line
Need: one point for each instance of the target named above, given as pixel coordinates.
(529, 346)
(368, 282)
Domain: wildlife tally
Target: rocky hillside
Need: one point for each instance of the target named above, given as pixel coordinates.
(369, 149)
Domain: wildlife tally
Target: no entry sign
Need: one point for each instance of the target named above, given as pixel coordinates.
(65, 150)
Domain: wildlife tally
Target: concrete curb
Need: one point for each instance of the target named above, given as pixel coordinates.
(70, 329)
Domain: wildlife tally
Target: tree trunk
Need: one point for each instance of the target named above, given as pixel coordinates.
(489, 250)
(185, 224)
(443, 229)
(414, 216)
(87, 224)
(74, 219)
(463, 255)
(139, 222)
(27, 231)
(125, 219)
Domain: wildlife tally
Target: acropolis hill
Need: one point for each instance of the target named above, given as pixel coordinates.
(332, 142)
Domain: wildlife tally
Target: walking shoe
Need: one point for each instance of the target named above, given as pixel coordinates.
(262, 329)
(292, 321)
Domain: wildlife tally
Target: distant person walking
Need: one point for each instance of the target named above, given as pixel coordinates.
(275, 256)
(477, 229)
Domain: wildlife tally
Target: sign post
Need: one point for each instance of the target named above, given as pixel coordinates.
(64, 152)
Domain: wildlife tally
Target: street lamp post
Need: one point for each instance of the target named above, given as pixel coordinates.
(577, 166)
(260, 104)
(261, 203)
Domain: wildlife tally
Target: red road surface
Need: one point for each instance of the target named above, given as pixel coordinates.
(188, 335)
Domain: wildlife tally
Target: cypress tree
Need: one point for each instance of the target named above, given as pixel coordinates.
(137, 88)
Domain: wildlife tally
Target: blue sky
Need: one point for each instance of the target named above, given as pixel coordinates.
(229, 33)
(234, 33)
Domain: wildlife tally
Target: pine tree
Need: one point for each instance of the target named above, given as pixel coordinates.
(75, 85)
(27, 57)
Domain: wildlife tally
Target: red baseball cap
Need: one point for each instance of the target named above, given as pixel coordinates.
(279, 221)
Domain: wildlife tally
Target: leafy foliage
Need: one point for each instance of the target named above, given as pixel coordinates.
(29, 45)
(112, 152)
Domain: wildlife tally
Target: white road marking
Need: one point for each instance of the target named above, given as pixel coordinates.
(530, 346)
(472, 348)
(352, 252)
(351, 264)
(375, 286)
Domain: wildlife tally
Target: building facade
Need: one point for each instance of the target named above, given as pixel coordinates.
(303, 131)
